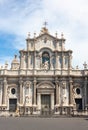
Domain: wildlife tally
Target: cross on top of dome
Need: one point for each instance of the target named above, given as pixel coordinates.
(45, 24)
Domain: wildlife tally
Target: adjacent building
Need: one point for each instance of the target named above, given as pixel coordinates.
(43, 81)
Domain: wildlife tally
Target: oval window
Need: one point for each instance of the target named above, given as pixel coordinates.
(78, 91)
(13, 91)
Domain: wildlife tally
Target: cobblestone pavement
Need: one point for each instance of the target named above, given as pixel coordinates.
(25, 123)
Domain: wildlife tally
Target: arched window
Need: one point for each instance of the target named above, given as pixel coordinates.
(45, 57)
(60, 61)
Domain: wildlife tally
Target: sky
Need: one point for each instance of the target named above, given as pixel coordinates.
(18, 17)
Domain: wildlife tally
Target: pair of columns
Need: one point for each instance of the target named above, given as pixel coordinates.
(58, 63)
(63, 60)
(21, 92)
(70, 92)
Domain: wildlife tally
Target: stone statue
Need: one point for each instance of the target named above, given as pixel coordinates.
(27, 100)
(46, 65)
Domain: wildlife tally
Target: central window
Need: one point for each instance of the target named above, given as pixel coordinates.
(45, 57)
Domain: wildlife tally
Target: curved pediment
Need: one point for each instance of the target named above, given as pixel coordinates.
(12, 85)
(46, 85)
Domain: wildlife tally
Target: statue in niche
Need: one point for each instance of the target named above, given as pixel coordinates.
(45, 60)
(64, 99)
(27, 100)
(46, 65)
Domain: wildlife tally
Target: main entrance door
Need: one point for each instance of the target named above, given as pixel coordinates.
(78, 104)
(45, 104)
(12, 105)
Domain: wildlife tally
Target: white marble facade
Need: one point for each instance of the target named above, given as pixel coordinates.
(43, 81)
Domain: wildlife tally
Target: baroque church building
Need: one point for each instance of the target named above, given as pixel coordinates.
(42, 81)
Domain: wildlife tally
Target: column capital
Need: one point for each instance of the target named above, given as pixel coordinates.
(70, 80)
(57, 82)
(5, 81)
(20, 82)
(35, 81)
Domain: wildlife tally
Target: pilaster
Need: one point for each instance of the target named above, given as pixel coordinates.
(21, 60)
(21, 91)
(70, 91)
(69, 61)
(57, 93)
(34, 92)
(63, 59)
(57, 60)
(4, 91)
(28, 64)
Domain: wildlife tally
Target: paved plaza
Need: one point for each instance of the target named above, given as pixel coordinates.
(25, 123)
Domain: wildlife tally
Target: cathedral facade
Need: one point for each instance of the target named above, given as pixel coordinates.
(42, 81)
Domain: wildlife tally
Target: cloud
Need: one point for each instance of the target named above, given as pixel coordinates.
(67, 16)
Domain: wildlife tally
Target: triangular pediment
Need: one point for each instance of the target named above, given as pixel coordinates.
(47, 36)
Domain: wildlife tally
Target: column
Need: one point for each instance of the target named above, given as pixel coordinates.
(57, 60)
(28, 62)
(62, 60)
(69, 62)
(35, 60)
(1, 84)
(4, 91)
(52, 101)
(70, 91)
(85, 92)
(57, 94)
(21, 60)
(34, 91)
(39, 100)
(34, 64)
(21, 91)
